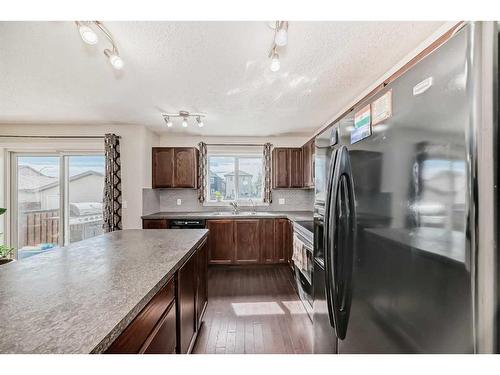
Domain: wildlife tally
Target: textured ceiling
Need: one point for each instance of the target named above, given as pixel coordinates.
(48, 75)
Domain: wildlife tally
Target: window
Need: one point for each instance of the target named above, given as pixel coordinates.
(57, 200)
(234, 177)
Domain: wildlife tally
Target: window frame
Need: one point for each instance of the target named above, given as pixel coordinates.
(241, 201)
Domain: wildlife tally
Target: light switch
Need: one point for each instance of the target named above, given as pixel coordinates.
(281, 201)
(124, 204)
(179, 201)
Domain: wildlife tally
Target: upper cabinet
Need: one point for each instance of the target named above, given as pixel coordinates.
(308, 163)
(281, 168)
(293, 166)
(175, 167)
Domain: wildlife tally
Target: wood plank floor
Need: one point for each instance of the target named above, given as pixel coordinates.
(253, 309)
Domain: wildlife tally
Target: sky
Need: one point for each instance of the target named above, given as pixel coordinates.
(49, 165)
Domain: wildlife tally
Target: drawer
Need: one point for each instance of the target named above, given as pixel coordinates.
(136, 334)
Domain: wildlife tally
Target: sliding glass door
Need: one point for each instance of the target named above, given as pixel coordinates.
(56, 200)
(38, 209)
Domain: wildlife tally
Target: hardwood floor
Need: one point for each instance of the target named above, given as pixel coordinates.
(253, 309)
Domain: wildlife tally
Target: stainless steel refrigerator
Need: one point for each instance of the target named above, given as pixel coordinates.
(405, 210)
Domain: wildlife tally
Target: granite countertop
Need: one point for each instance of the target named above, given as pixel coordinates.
(291, 215)
(79, 298)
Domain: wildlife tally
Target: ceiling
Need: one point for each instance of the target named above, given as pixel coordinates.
(49, 76)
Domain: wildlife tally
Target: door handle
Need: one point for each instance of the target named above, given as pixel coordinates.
(343, 243)
(326, 239)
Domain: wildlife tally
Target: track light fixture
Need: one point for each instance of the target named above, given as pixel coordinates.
(185, 115)
(280, 40)
(89, 36)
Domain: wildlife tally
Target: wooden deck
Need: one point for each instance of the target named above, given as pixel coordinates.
(253, 309)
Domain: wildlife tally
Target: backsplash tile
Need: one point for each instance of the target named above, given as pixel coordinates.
(155, 200)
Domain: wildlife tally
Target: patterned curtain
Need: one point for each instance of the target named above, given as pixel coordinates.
(202, 172)
(112, 201)
(267, 173)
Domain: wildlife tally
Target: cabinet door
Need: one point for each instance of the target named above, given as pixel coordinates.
(281, 168)
(308, 163)
(296, 174)
(185, 167)
(202, 294)
(267, 241)
(134, 337)
(154, 224)
(282, 240)
(187, 302)
(163, 167)
(221, 241)
(163, 338)
(246, 239)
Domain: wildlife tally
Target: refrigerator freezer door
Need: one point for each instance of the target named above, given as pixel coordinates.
(411, 274)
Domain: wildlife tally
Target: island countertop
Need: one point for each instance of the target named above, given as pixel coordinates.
(79, 298)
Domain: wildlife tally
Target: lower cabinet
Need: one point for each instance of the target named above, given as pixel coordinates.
(186, 303)
(282, 240)
(249, 241)
(246, 241)
(171, 320)
(163, 339)
(154, 223)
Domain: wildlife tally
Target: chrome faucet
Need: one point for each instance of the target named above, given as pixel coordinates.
(253, 204)
(234, 204)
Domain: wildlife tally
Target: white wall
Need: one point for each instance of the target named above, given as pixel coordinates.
(135, 144)
(171, 139)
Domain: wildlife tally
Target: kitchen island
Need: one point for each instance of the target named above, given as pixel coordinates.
(81, 298)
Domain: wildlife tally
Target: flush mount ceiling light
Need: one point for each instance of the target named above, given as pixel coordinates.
(280, 39)
(89, 36)
(185, 115)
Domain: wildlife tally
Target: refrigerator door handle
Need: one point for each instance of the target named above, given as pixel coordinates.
(340, 251)
(327, 241)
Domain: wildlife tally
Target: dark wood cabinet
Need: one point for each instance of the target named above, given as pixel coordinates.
(163, 167)
(308, 151)
(281, 168)
(282, 240)
(135, 337)
(267, 241)
(249, 241)
(185, 167)
(202, 292)
(246, 241)
(170, 321)
(175, 167)
(186, 302)
(287, 168)
(296, 170)
(154, 223)
(221, 241)
(163, 339)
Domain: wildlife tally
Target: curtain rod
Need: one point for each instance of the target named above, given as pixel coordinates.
(56, 136)
(234, 144)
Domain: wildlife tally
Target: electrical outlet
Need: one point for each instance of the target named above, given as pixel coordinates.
(179, 201)
(281, 201)
(124, 204)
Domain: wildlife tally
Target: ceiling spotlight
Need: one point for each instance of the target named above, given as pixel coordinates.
(200, 123)
(184, 123)
(281, 37)
(275, 62)
(88, 35)
(168, 122)
(114, 59)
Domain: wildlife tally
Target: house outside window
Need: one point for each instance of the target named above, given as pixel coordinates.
(235, 177)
